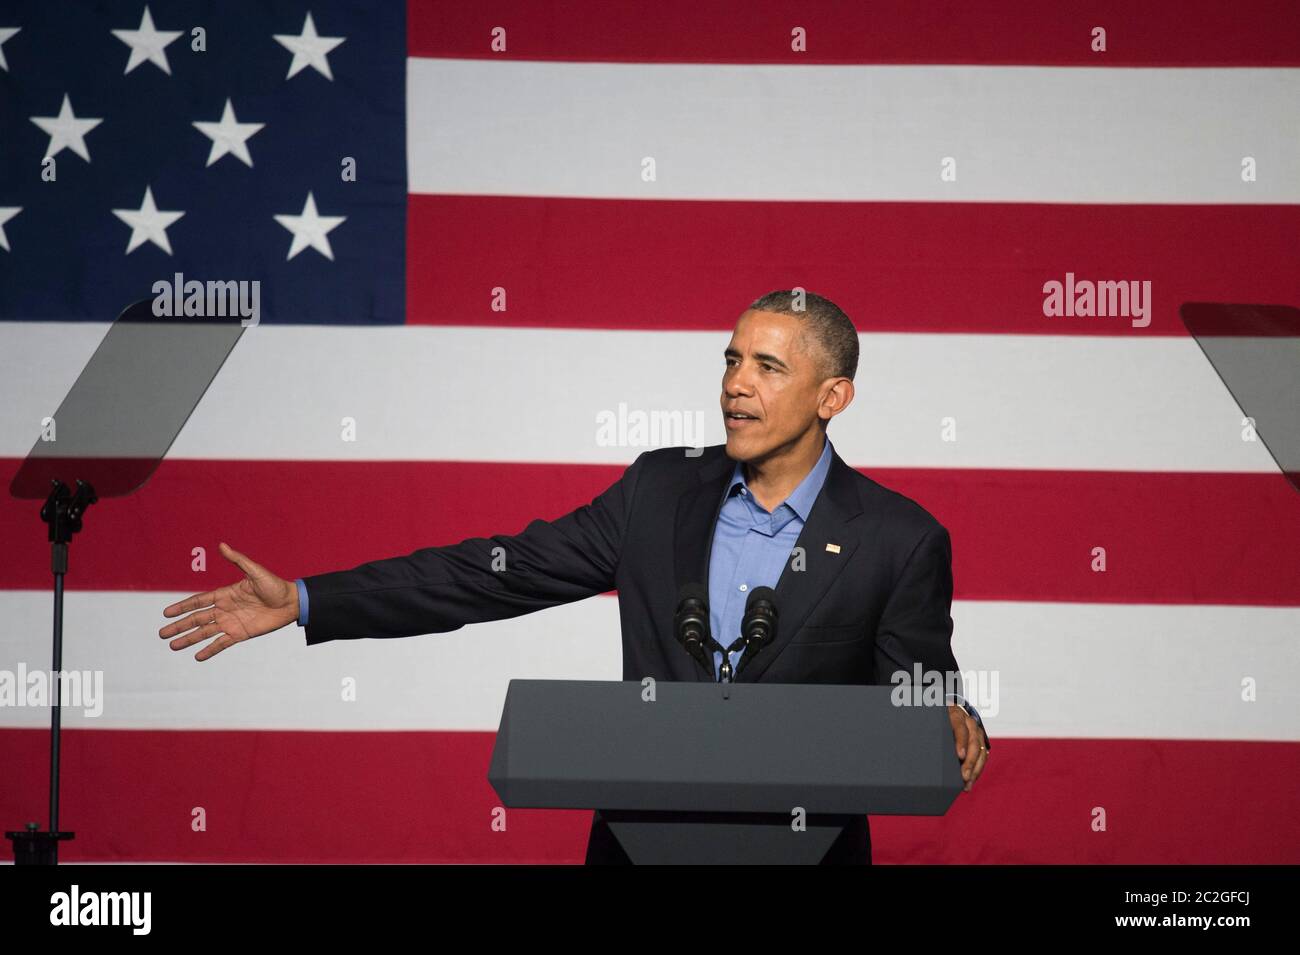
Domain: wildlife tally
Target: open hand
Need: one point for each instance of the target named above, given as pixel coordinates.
(258, 604)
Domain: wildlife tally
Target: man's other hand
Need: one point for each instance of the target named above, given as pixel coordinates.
(258, 604)
(971, 744)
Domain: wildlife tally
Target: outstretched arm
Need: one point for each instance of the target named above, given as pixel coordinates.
(432, 590)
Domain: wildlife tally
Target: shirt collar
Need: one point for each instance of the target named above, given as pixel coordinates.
(802, 497)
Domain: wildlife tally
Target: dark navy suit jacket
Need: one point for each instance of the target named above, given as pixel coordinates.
(878, 603)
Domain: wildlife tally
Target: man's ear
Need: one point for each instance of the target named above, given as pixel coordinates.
(835, 398)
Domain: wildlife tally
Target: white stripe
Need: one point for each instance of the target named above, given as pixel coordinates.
(1017, 133)
(1133, 671)
(1068, 670)
(483, 394)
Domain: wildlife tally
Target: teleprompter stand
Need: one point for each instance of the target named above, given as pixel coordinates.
(62, 511)
(108, 436)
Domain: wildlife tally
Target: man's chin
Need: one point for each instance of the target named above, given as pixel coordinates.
(742, 449)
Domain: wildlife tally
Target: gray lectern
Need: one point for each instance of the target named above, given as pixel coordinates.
(717, 773)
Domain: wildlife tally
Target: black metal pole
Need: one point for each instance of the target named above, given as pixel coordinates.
(59, 561)
(63, 511)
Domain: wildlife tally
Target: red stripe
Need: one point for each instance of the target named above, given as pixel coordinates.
(424, 797)
(893, 267)
(1159, 33)
(1017, 534)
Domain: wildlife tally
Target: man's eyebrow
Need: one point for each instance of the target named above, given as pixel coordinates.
(761, 356)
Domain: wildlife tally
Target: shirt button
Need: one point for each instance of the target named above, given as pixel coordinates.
(744, 586)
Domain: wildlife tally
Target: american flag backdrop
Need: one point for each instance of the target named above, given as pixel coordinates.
(482, 229)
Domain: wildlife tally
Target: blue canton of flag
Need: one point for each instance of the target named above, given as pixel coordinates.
(214, 140)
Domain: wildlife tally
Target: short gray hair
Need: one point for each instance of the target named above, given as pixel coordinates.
(832, 330)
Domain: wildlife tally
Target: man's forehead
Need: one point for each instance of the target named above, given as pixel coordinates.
(768, 331)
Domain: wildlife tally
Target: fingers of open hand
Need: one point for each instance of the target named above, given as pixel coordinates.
(215, 647)
(206, 632)
(195, 602)
(199, 618)
(193, 629)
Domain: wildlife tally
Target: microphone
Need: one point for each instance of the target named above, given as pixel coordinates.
(758, 625)
(691, 622)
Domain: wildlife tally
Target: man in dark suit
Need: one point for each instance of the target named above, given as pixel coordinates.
(863, 575)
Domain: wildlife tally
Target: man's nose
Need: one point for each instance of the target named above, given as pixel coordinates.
(739, 382)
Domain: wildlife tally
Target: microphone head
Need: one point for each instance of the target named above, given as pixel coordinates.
(762, 593)
(758, 625)
(691, 621)
(692, 592)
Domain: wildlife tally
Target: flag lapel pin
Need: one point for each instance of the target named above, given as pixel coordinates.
(833, 548)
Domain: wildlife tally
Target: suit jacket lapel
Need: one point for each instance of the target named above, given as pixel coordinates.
(799, 591)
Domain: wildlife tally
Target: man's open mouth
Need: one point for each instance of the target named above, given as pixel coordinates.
(737, 419)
